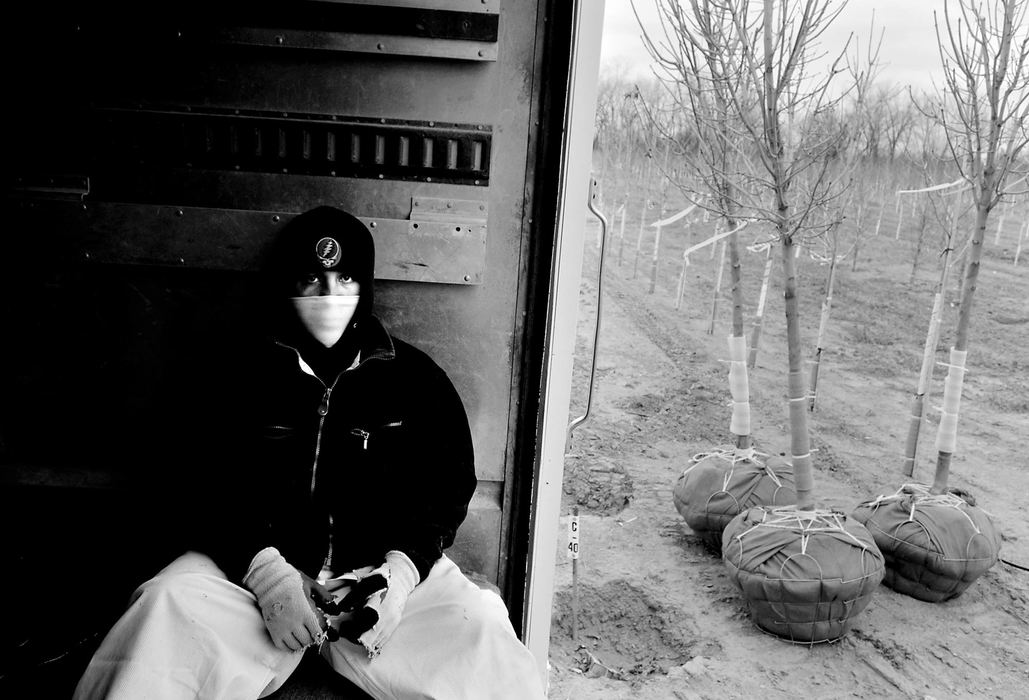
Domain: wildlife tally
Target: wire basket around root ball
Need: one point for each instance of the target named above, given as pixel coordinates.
(720, 484)
(805, 575)
(935, 546)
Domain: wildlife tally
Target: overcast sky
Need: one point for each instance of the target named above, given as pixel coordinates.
(908, 55)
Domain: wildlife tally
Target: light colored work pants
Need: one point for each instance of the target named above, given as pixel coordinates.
(189, 633)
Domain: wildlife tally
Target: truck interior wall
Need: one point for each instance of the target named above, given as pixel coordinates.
(116, 243)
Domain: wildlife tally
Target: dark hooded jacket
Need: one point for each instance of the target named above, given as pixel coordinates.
(363, 447)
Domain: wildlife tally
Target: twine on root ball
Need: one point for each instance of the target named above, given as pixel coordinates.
(725, 481)
(935, 545)
(805, 574)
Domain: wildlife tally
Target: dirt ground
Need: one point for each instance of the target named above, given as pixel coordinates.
(658, 616)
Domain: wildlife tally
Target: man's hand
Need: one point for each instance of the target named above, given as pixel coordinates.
(381, 594)
(317, 594)
(285, 599)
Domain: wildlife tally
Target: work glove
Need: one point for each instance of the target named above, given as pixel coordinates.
(289, 613)
(371, 609)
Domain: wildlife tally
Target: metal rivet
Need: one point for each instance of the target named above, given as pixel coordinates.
(178, 212)
(482, 207)
(275, 218)
(467, 278)
(450, 205)
(481, 53)
(279, 39)
(380, 47)
(428, 179)
(372, 224)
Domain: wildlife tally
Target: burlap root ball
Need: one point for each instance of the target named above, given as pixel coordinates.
(718, 486)
(935, 546)
(805, 575)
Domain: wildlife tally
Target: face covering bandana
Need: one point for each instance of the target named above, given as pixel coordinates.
(326, 317)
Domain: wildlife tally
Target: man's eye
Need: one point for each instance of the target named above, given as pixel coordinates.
(346, 279)
(310, 279)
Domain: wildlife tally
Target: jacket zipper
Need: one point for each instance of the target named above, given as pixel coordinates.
(323, 410)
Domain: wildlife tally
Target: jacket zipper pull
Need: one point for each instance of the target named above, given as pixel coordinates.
(323, 407)
(363, 434)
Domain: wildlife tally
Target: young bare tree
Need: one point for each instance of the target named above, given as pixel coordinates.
(898, 123)
(780, 168)
(701, 88)
(984, 113)
(791, 175)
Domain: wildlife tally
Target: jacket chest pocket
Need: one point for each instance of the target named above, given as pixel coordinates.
(376, 437)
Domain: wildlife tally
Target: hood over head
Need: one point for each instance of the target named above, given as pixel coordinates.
(324, 238)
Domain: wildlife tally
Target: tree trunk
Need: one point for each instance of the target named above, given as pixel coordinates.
(800, 447)
(823, 326)
(739, 387)
(946, 437)
(932, 338)
(643, 215)
(621, 228)
(717, 290)
(918, 245)
(755, 333)
(654, 260)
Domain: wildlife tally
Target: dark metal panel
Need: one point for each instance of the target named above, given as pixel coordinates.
(359, 43)
(483, 6)
(365, 27)
(421, 249)
(474, 331)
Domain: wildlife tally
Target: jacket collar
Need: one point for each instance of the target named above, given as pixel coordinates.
(376, 343)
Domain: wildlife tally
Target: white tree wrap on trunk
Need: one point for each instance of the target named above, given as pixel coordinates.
(739, 386)
(947, 435)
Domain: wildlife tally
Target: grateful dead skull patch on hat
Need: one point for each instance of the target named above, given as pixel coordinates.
(328, 251)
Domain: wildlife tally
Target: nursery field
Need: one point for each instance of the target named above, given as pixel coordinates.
(658, 616)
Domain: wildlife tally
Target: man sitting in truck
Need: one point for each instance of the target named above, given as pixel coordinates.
(334, 467)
